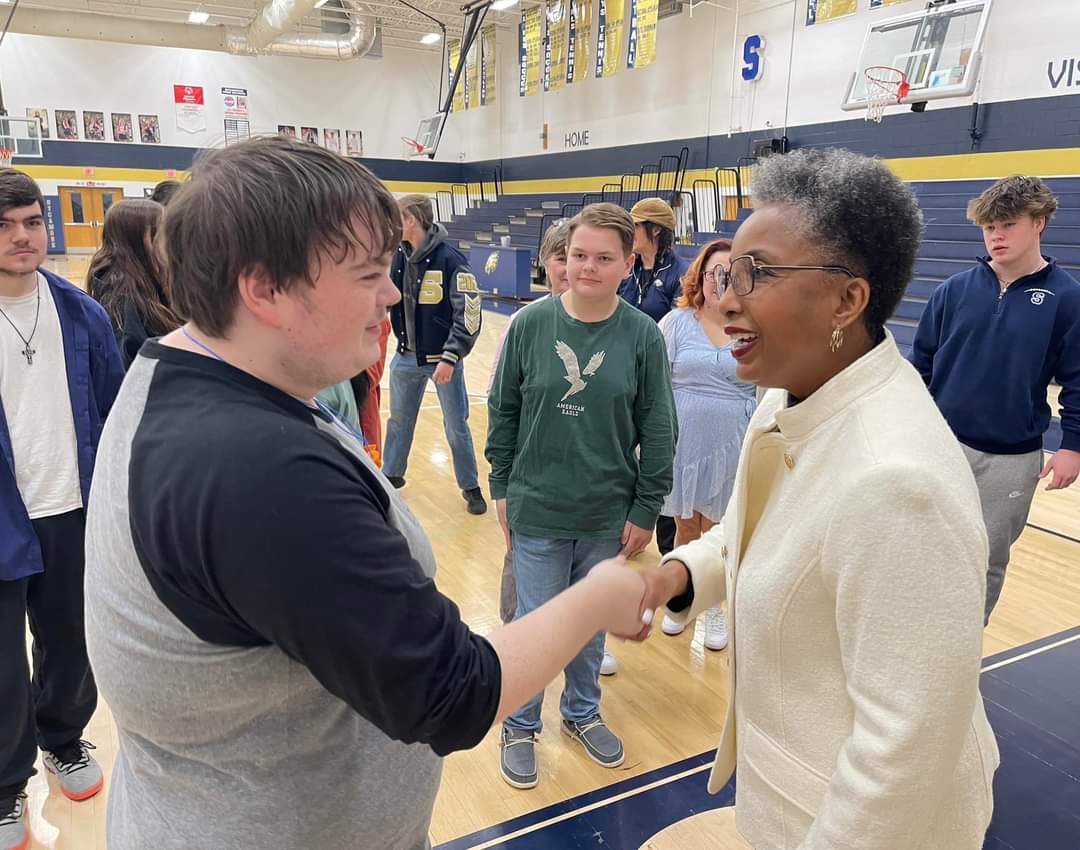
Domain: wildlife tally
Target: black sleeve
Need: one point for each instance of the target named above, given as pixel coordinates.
(296, 549)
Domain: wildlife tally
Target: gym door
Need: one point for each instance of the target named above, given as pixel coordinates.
(83, 211)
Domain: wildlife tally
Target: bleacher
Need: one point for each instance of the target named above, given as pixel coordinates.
(481, 214)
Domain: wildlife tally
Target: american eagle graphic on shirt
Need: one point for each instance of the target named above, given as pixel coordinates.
(574, 372)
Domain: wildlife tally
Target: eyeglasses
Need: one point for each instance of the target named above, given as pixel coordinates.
(745, 273)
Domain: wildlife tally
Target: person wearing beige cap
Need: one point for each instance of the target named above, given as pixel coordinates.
(655, 281)
(653, 286)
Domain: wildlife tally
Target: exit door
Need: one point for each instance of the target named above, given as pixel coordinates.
(83, 212)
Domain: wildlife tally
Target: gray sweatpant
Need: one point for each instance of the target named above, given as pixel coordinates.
(1006, 488)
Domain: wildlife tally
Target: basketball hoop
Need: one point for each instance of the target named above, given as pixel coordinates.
(411, 148)
(5, 157)
(884, 86)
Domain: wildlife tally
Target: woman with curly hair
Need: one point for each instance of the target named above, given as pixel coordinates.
(852, 553)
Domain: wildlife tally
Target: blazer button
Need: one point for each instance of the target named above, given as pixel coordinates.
(789, 461)
(723, 552)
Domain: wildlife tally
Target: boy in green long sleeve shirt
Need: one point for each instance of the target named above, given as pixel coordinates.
(581, 437)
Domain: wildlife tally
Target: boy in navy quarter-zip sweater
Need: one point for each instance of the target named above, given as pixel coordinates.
(988, 345)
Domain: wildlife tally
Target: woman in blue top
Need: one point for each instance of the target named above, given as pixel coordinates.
(713, 409)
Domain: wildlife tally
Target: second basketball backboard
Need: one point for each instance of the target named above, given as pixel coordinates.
(938, 49)
(21, 136)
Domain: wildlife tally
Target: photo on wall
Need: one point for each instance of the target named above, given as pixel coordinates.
(67, 125)
(42, 116)
(94, 126)
(122, 129)
(354, 142)
(310, 135)
(287, 130)
(149, 130)
(332, 140)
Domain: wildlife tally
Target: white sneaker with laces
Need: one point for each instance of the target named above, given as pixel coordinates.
(716, 636)
(670, 627)
(610, 665)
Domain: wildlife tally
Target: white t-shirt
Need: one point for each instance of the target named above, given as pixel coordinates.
(37, 406)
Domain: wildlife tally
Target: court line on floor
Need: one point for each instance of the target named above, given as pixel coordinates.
(1013, 655)
(1060, 534)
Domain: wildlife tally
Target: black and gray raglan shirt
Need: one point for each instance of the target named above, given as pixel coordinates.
(263, 621)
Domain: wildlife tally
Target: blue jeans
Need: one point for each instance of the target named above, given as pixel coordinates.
(543, 568)
(407, 384)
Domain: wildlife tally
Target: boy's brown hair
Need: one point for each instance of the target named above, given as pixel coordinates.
(1012, 197)
(610, 216)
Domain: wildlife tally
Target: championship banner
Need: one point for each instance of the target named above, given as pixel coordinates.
(609, 37)
(828, 10)
(642, 40)
(578, 29)
(453, 51)
(532, 27)
(555, 45)
(190, 108)
(487, 65)
(877, 4)
(472, 76)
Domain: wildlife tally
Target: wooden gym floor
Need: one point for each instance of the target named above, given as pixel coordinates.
(666, 701)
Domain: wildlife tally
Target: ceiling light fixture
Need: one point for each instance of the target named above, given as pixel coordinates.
(430, 38)
(500, 5)
(198, 16)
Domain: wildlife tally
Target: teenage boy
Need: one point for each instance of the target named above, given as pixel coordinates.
(261, 607)
(989, 343)
(583, 384)
(436, 323)
(59, 373)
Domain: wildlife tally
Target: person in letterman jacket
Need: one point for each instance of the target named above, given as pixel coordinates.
(436, 324)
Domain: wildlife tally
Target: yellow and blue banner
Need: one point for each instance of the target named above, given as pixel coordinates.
(641, 50)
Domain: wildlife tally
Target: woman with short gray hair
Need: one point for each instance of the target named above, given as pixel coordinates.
(852, 553)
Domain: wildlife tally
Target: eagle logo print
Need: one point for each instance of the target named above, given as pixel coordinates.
(574, 373)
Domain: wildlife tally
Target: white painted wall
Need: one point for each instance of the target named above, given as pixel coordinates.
(385, 98)
(692, 90)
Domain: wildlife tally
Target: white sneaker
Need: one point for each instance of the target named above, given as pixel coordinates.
(670, 627)
(610, 665)
(716, 637)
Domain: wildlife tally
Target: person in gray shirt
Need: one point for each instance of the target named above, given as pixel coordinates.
(262, 615)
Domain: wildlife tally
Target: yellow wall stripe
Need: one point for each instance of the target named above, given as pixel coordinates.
(1056, 162)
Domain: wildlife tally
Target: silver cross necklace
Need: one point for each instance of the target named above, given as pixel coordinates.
(27, 351)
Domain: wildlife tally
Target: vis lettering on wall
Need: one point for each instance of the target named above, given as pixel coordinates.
(1063, 73)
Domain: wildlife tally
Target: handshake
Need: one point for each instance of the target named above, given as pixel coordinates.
(628, 599)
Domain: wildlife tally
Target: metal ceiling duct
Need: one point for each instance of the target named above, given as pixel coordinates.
(266, 35)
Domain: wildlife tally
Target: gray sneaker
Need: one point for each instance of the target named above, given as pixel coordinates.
(602, 745)
(13, 832)
(518, 758)
(79, 773)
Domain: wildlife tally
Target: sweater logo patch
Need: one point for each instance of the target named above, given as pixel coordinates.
(575, 375)
(1038, 295)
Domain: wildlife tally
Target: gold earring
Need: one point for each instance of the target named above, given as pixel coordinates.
(836, 341)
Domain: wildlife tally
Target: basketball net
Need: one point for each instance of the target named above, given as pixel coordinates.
(884, 86)
(411, 148)
(5, 157)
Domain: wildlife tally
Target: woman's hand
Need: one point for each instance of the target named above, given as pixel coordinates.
(662, 584)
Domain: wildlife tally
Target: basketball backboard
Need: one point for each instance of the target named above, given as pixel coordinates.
(939, 49)
(428, 133)
(21, 135)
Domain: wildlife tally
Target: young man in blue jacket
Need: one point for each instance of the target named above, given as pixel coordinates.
(59, 373)
(989, 343)
(437, 322)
